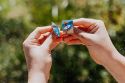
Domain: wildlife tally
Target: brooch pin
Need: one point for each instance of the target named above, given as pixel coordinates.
(56, 29)
(67, 26)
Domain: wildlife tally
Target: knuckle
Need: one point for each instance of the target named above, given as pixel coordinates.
(100, 22)
(25, 44)
(81, 18)
(38, 28)
(49, 60)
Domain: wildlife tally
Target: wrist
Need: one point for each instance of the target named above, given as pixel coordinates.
(116, 66)
(113, 58)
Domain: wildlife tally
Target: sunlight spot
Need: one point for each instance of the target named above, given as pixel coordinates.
(65, 3)
(55, 11)
(1, 8)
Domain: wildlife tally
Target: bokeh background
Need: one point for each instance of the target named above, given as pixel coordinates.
(71, 64)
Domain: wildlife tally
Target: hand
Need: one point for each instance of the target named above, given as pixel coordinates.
(37, 48)
(93, 34)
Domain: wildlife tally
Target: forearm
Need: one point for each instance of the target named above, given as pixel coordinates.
(116, 66)
(39, 72)
(39, 67)
(36, 77)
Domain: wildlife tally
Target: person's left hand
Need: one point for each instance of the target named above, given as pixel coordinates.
(37, 48)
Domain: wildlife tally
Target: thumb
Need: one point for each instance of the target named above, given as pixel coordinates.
(46, 44)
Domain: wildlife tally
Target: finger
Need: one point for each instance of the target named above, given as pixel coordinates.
(68, 38)
(63, 34)
(82, 34)
(47, 42)
(83, 22)
(53, 45)
(50, 43)
(42, 30)
(94, 29)
(43, 37)
(58, 39)
(86, 25)
(38, 31)
(83, 40)
(74, 42)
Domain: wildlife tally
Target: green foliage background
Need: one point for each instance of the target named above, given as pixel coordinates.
(71, 64)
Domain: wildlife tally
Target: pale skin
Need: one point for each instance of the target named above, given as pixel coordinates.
(37, 49)
(40, 42)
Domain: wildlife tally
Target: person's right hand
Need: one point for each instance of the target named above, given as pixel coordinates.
(93, 34)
